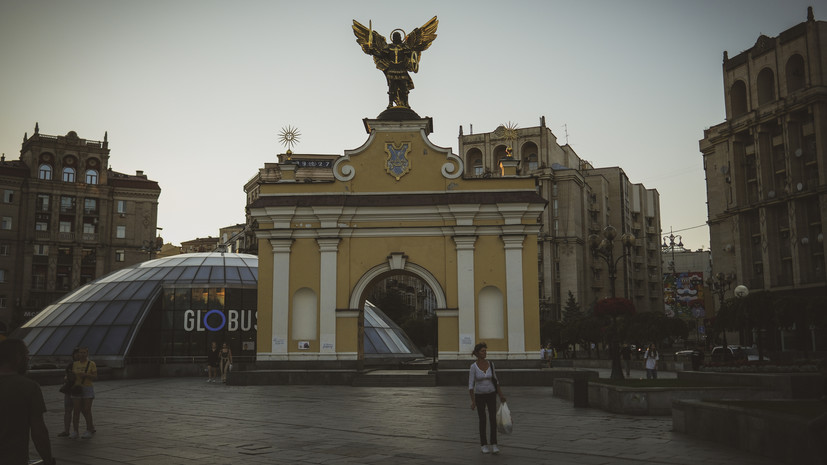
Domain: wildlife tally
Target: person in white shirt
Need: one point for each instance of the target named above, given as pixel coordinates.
(651, 358)
(483, 387)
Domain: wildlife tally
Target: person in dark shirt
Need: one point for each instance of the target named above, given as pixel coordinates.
(22, 407)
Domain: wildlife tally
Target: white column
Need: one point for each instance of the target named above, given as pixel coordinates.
(328, 250)
(514, 291)
(465, 292)
(281, 293)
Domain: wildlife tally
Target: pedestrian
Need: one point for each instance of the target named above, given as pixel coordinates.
(22, 407)
(626, 355)
(68, 403)
(86, 372)
(483, 387)
(226, 357)
(544, 354)
(212, 362)
(651, 358)
(549, 355)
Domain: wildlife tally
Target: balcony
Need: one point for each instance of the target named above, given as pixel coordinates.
(66, 236)
(43, 235)
(90, 237)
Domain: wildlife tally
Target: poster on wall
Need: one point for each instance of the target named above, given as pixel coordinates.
(683, 294)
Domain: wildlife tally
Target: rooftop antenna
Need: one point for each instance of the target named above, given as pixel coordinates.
(566, 130)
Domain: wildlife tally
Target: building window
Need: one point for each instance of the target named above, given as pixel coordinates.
(42, 203)
(120, 232)
(65, 226)
(41, 249)
(5, 250)
(45, 172)
(68, 174)
(2, 276)
(6, 223)
(121, 206)
(91, 177)
(90, 206)
(120, 256)
(88, 228)
(67, 204)
(2, 301)
(478, 170)
(41, 226)
(8, 196)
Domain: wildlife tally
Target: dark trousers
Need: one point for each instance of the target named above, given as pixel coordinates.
(487, 401)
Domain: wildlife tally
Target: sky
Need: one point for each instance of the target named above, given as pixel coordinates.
(195, 92)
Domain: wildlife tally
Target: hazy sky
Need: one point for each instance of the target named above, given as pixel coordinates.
(195, 93)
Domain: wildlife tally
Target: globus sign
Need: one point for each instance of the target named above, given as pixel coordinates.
(217, 320)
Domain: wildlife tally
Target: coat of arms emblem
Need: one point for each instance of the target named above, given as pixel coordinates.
(397, 164)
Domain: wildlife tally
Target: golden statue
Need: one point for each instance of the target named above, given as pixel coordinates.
(397, 58)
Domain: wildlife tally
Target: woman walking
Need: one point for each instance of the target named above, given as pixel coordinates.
(651, 358)
(483, 387)
(226, 361)
(68, 403)
(85, 372)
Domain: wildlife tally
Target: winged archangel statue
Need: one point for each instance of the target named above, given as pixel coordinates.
(397, 58)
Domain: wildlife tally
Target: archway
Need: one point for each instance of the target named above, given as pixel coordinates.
(418, 321)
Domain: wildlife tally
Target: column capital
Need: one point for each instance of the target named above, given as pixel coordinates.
(281, 245)
(465, 242)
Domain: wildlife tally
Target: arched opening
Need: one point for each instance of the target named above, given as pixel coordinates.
(766, 86)
(473, 160)
(795, 73)
(415, 287)
(499, 153)
(399, 319)
(738, 98)
(528, 154)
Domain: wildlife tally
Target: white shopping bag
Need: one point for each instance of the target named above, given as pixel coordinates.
(504, 424)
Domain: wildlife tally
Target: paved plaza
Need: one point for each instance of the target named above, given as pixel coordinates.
(163, 421)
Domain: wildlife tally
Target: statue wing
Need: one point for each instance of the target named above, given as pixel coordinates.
(421, 38)
(372, 43)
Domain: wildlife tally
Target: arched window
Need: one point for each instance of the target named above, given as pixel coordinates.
(478, 170)
(738, 98)
(795, 73)
(68, 174)
(91, 177)
(766, 86)
(44, 172)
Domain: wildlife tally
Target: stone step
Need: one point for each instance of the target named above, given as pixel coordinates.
(395, 378)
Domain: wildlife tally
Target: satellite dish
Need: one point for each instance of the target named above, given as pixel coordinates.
(800, 187)
(771, 194)
(798, 152)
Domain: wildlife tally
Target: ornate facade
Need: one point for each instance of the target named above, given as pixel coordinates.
(67, 219)
(582, 200)
(765, 165)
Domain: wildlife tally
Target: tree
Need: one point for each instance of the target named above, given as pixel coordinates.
(614, 307)
(572, 309)
(654, 327)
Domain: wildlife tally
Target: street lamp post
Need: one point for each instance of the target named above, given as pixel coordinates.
(672, 269)
(604, 248)
(720, 283)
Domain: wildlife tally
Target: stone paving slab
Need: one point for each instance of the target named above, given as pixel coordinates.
(183, 421)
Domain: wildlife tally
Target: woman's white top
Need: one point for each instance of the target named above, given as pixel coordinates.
(651, 360)
(481, 381)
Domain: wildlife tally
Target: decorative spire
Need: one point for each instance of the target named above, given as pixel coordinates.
(810, 16)
(726, 56)
(36, 128)
(106, 136)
